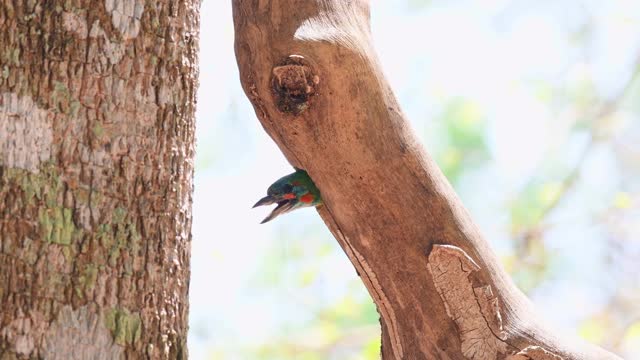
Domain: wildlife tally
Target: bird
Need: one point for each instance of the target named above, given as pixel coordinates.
(291, 192)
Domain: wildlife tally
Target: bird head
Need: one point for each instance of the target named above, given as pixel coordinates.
(290, 192)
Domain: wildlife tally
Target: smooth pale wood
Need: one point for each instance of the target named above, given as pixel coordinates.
(386, 201)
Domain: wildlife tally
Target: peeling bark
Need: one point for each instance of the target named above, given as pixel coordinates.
(534, 353)
(97, 104)
(438, 287)
(475, 312)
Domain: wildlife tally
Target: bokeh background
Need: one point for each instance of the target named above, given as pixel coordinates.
(531, 109)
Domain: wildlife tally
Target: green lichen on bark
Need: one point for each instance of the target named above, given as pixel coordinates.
(45, 191)
(107, 109)
(63, 101)
(87, 280)
(56, 225)
(11, 56)
(119, 234)
(43, 186)
(97, 130)
(125, 326)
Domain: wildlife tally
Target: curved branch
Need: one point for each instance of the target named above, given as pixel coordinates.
(310, 71)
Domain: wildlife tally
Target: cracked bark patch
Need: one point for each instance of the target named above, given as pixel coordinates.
(534, 353)
(26, 133)
(490, 307)
(475, 311)
(78, 25)
(24, 332)
(125, 16)
(80, 334)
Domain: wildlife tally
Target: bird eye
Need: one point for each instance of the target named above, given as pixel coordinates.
(287, 188)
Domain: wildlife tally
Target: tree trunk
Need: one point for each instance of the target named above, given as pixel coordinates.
(96, 164)
(310, 71)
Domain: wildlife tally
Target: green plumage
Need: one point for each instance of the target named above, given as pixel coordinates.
(291, 192)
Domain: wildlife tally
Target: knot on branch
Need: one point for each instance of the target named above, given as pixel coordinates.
(294, 82)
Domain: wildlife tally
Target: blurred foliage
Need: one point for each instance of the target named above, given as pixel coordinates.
(462, 145)
(528, 209)
(343, 327)
(564, 226)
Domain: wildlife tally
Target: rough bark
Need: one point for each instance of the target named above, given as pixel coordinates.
(97, 106)
(309, 70)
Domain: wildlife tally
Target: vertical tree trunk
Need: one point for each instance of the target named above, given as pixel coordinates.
(96, 163)
(310, 71)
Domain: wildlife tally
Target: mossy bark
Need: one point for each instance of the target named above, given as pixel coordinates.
(97, 103)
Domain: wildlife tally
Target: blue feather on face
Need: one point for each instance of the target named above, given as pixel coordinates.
(280, 187)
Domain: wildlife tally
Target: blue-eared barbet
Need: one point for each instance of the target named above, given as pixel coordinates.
(291, 192)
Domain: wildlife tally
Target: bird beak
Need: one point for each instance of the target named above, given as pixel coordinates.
(283, 207)
(267, 200)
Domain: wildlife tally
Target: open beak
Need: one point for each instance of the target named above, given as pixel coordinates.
(285, 204)
(267, 200)
(283, 207)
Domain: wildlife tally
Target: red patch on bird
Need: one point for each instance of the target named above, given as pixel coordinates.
(289, 196)
(295, 183)
(307, 198)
